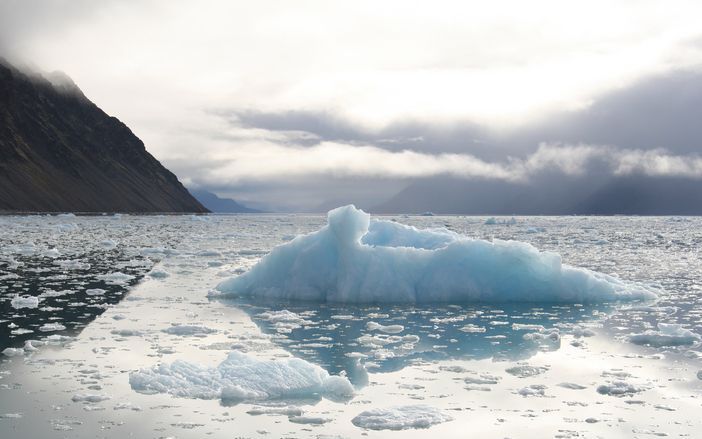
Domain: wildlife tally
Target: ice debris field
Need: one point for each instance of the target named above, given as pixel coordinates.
(341, 326)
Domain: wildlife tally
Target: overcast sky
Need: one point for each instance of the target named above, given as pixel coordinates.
(293, 104)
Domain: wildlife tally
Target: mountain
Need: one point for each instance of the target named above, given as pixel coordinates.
(550, 195)
(220, 205)
(60, 152)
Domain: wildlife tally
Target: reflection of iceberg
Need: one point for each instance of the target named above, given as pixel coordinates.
(354, 260)
(336, 336)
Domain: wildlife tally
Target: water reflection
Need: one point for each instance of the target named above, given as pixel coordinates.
(389, 338)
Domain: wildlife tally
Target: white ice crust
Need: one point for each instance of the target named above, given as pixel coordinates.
(242, 377)
(356, 260)
(668, 334)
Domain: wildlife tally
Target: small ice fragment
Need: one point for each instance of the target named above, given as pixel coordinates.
(572, 386)
(401, 417)
(524, 371)
(470, 328)
(81, 397)
(116, 278)
(49, 327)
(285, 411)
(159, 273)
(11, 416)
(313, 420)
(533, 390)
(618, 388)
(13, 352)
(668, 334)
(389, 329)
(19, 302)
(127, 332)
(95, 292)
(188, 330)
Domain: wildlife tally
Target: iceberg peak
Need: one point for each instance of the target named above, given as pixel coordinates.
(348, 224)
(354, 259)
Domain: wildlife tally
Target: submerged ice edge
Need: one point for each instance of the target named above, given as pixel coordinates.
(355, 260)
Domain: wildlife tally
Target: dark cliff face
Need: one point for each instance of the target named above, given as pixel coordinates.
(60, 152)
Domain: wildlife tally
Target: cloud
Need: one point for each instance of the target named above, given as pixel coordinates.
(324, 99)
(268, 161)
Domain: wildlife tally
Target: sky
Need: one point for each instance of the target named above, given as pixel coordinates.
(296, 105)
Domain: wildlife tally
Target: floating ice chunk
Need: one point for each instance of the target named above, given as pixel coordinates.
(492, 221)
(313, 420)
(127, 332)
(533, 390)
(401, 417)
(471, 328)
(19, 302)
(284, 321)
(243, 378)
(116, 278)
(13, 352)
(525, 371)
(127, 406)
(108, 244)
(285, 411)
(89, 398)
(159, 273)
(389, 329)
(668, 334)
(52, 293)
(619, 388)
(95, 292)
(527, 327)
(49, 327)
(11, 416)
(72, 264)
(52, 253)
(572, 386)
(549, 335)
(188, 330)
(333, 265)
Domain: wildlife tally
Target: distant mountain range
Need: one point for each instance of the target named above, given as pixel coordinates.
(592, 195)
(59, 152)
(220, 205)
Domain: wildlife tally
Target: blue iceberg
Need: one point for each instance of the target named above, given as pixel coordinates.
(355, 260)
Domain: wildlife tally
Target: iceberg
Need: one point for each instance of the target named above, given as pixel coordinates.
(354, 259)
(242, 378)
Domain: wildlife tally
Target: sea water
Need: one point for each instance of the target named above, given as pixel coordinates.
(110, 329)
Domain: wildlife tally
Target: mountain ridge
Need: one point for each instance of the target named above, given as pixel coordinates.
(59, 152)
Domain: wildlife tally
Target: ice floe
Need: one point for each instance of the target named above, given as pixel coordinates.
(401, 417)
(668, 334)
(243, 378)
(19, 302)
(342, 262)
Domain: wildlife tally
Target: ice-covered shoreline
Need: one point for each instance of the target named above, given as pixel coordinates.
(355, 260)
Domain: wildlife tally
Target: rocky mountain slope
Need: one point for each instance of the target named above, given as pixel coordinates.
(60, 152)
